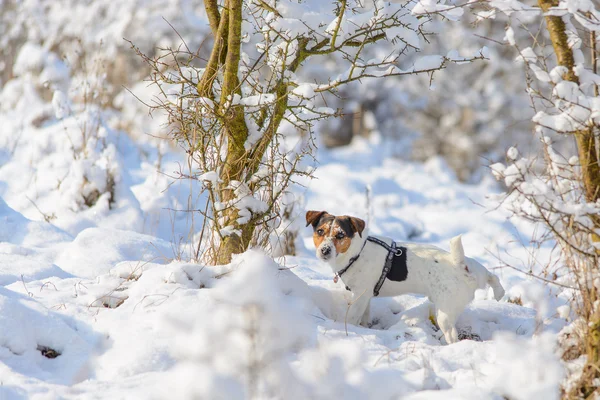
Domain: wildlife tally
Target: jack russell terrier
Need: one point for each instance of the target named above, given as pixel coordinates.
(372, 266)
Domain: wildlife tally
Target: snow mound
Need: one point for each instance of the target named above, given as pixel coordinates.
(16, 229)
(28, 330)
(96, 250)
(26, 247)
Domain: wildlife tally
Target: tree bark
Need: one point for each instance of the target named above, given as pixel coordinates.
(235, 128)
(585, 138)
(205, 86)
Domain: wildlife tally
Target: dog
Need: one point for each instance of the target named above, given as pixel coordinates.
(373, 265)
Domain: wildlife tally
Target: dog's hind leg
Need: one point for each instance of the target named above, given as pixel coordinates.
(446, 322)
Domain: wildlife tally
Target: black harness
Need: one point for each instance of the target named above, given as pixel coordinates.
(394, 269)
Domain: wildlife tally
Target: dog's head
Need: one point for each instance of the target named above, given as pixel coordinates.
(333, 235)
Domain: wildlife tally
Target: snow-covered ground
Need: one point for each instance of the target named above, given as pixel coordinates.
(107, 290)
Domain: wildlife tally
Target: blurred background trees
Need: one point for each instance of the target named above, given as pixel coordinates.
(75, 57)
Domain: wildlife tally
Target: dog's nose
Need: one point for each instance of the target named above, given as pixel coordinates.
(325, 251)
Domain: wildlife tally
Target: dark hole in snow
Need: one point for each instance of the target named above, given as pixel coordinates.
(109, 301)
(112, 302)
(91, 198)
(48, 352)
(468, 335)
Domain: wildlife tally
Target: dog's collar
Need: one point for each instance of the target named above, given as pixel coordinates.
(342, 271)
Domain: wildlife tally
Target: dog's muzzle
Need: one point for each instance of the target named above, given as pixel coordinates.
(325, 252)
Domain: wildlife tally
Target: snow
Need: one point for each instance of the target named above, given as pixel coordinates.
(428, 63)
(408, 36)
(95, 236)
(305, 90)
(31, 58)
(429, 6)
(95, 251)
(510, 36)
(254, 101)
(61, 104)
(512, 153)
(129, 319)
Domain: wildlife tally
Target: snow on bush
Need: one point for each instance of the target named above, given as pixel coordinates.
(70, 158)
(524, 379)
(256, 338)
(242, 340)
(268, 81)
(470, 112)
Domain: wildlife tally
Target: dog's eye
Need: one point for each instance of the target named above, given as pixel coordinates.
(339, 236)
(320, 232)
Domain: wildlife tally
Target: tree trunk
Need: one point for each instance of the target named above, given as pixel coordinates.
(240, 164)
(585, 138)
(234, 126)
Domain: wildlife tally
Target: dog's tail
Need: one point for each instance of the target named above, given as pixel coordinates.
(457, 254)
(456, 251)
(495, 284)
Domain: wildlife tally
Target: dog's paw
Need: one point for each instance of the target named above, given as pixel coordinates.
(370, 324)
(374, 322)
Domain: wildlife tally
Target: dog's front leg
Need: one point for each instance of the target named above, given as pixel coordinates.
(366, 317)
(357, 308)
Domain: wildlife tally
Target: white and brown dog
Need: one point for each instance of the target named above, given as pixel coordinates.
(372, 266)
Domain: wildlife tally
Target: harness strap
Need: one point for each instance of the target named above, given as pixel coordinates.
(392, 247)
(342, 271)
(393, 251)
(386, 268)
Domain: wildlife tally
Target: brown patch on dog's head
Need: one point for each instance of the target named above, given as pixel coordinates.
(358, 225)
(313, 217)
(338, 231)
(320, 233)
(321, 222)
(351, 225)
(341, 236)
(344, 228)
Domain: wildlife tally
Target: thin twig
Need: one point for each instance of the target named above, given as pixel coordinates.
(535, 276)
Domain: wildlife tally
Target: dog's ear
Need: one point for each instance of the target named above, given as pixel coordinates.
(313, 217)
(358, 225)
